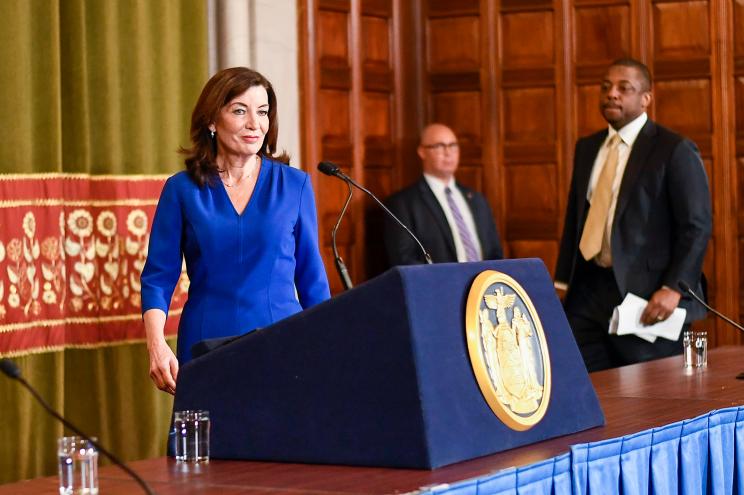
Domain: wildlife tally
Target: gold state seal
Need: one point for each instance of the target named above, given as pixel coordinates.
(508, 350)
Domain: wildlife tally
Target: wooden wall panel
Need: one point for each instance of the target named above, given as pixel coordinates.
(532, 213)
(685, 104)
(375, 41)
(446, 56)
(602, 33)
(737, 16)
(681, 30)
(462, 111)
(545, 250)
(519, 83)
(333, 42)
(529, 104)
(527, 51)
(538, 102)
(588, 118)
(376, 123)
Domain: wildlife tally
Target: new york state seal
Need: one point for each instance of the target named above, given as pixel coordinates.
(508, 351)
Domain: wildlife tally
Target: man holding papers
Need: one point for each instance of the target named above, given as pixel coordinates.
(638, 220)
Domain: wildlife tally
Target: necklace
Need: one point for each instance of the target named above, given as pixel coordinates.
(245, 177)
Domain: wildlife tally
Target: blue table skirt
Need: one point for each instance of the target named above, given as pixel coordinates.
(703, 455)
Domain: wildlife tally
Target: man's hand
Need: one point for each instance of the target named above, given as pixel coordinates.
(561, 288)
(661, 305)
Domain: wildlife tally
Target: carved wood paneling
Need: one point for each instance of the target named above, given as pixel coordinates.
(375, 41)
(588, 117)
(462, 112)
(532, 213)
(446, 56)
(538, 102)
(681, 30)
(520, 50)
(545, 250)
(518, 80)
(602, 33)
(377, 126)
(333, 37)
(738, 85)
(529, 134)
(676, 99)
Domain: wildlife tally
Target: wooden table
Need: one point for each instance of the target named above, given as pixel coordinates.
(633, 398)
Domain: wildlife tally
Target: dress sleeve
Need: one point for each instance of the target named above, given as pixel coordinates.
(163, 266)
(310, 276)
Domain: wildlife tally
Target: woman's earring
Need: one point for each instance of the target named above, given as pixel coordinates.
(211, 134)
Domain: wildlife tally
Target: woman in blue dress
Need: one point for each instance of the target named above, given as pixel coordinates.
(244, 221)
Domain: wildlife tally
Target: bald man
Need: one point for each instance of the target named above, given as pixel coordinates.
(454, 223)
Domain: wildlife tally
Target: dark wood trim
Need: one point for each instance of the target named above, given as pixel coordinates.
(725, 181)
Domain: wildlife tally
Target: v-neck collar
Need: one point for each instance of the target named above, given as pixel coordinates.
(265, 163)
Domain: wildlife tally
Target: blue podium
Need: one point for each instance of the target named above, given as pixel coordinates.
(381, 375)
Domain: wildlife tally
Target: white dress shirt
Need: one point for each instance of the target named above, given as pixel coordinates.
(628, 135)
(438, 186)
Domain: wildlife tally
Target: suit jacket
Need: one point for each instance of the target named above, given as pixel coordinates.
(662, 219)
(419, 210)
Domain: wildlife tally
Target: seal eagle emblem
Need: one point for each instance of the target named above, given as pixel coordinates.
(508, 351)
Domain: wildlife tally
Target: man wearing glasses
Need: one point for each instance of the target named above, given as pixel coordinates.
(638, 220)
(454, 223)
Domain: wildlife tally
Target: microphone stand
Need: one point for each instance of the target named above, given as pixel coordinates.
(329, 168)
(12, 371)
(686, 288)
(340, 266)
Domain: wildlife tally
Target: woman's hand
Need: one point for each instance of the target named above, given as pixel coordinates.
(163, 367)
(163, 363)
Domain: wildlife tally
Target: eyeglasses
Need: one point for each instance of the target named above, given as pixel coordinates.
(624, 88)
(440, 147)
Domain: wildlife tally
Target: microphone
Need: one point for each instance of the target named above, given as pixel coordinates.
(332, 169)
(686, 288)
(10, 369)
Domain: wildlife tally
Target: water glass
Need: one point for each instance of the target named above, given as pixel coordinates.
(688, 341)
(78, 466)
(701, 349)
(192, 435)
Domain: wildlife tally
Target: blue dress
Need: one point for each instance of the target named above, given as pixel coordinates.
(243, 268)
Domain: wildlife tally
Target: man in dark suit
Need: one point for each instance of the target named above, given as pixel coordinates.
(638, 220)
(454, 223)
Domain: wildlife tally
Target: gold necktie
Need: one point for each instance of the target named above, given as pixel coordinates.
(596, 221)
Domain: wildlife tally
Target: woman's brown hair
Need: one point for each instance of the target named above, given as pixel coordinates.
(201, 158)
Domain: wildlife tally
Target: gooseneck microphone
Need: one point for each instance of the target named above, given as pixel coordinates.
(332, 169)
(10, 368)
(686, 288)
(340, 265)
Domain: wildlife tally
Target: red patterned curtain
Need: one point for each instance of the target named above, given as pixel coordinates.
(72, 250)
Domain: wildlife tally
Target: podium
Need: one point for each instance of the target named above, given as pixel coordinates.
(381, 376)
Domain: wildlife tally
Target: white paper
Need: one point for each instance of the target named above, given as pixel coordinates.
(626, 319)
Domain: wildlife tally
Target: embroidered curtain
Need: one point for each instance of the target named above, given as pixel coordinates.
(95, 99)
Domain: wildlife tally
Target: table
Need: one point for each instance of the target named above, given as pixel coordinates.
(633, 398)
